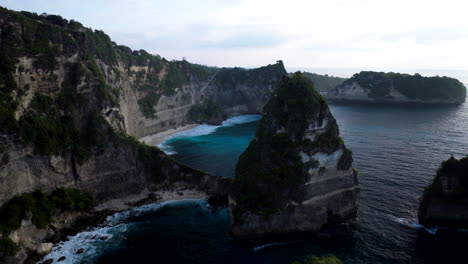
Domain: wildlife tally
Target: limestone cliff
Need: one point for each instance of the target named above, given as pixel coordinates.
(296, 175)
(445, 201)
(69, 97)
(63, 86)
(72, 101)
(398, 88)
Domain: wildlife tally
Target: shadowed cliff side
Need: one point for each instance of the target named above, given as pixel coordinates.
(445, 201)
(296, 176)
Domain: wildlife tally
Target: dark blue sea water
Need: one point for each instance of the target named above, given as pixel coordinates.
(396, 150)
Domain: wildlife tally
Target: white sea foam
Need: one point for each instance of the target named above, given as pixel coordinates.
(255, 249)
(205, 129)
(96, 240)
(415, 225)
(167, 148)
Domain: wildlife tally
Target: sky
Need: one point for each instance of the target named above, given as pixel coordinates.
(390, 35)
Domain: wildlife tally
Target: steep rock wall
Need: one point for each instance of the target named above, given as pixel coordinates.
(296, 176)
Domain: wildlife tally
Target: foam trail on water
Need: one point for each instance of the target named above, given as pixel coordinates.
(168, 149)
(236, 120)
(273, 244)
(415, 225)
(95, 241)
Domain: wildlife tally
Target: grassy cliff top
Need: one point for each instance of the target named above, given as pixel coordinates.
(412, 86)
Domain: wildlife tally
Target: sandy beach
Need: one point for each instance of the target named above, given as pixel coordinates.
(128, 202)
(161, 136)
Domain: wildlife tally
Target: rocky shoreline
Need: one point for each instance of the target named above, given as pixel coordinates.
(71, 224)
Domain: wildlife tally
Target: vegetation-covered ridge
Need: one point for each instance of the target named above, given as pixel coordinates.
(41, 209)
(270, 170)
(225, 79)
(323, 83)
(49, 38)
(380, 84)
(450, 186)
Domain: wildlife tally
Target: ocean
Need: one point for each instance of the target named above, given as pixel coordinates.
(396, 151)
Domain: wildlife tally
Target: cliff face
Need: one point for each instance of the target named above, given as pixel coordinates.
(202, 94)
(69, 97)
(296, 175)
(445, 201)
(398, 88)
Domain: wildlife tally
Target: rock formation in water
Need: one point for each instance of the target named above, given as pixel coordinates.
(398, 88)
(445, 201)
(296, 175)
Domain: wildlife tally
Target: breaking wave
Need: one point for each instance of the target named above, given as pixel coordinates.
(87, 246)
(204, 129)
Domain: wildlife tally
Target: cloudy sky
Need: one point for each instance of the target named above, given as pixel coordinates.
(397, 35)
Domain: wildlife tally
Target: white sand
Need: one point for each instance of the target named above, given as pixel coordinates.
(125, 203)
(161, 136)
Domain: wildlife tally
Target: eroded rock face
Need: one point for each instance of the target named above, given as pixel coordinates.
(445, 201)
(102, 88)
(296, 175)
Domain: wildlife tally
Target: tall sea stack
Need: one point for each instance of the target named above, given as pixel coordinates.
(296, 176)
(445, 200)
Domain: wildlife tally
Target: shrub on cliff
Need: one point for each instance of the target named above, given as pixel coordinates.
(41, 207)
(8, 247)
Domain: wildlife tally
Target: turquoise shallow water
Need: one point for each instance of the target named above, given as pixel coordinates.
(396, 150)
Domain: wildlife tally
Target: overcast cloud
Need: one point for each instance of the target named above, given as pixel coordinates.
(365, 34)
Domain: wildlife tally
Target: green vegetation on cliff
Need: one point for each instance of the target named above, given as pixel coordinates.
(329, 259)
(323, 83)
(270, 170)
(379, 85)
(41, 207)
(204, 112)
(8, 246)
(229, 77)
(449, 185)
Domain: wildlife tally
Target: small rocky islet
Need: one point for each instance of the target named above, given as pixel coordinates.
(445, 201)
(380, 87)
